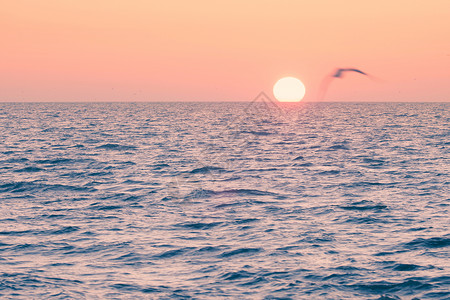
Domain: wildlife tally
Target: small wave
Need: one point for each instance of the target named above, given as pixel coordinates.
(369, 183)
(317, 240)
(196, 194)
(116, 147)
(16, 160)
(258, 133)
(125, 287)
(105, 207)
(228, 204)
(232, 178)
(237, 275)
(79, 146)
(206, 169)
(373, 161)
(337, 147)
(386, 287)
(418, 228)
(245, 192)
(100, 247)
(172, 253)
(16, 232)
(386, 253)
(365, 220)
(29, 170)
(19, 282)
(64, 230)
(406, 267)
(389, 297)
(363, 205)
(160, 166)
(338, 276)
(99, 173)
(208, 249)
(61, 264)
(262, 170)
(53, 216)
(347, 268)
(287, 248)
(199, 225)
(245, 221)
(254, 281)
(241, 251)
(131, 258)
(62, 187)
(434, 242)
(203, 193)
(55, 161)
(29, 187)
(330, 172)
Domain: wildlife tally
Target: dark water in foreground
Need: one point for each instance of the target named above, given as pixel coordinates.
(180, 201)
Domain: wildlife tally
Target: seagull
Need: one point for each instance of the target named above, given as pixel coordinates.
(339, 73)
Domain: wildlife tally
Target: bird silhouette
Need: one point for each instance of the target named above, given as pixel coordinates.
(338, 73)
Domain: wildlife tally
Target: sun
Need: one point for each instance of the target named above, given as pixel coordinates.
(289, 89)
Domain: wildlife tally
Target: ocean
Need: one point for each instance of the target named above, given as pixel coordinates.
(224, 201)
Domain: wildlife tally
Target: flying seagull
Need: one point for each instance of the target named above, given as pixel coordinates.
(339, 73)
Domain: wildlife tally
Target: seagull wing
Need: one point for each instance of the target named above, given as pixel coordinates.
(357, 71)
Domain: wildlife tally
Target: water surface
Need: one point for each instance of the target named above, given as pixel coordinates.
(224, 200)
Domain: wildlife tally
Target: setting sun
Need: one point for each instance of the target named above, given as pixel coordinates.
(289, 89)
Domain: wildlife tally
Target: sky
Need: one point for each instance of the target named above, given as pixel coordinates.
(209, 50)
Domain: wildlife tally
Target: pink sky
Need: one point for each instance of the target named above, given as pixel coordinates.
(110, 50)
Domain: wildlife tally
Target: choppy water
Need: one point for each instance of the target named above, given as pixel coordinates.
(226, 200)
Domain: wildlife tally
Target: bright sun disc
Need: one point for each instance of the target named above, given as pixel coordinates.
(289, 89)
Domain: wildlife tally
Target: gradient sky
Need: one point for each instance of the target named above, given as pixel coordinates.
(149, 50)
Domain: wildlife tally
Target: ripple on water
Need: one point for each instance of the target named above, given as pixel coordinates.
(428, 243)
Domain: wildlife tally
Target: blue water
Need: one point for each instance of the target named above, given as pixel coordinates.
(224, 200)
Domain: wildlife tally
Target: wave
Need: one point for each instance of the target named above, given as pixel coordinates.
(172, 253)
(199, 225)
(406, 267)
(31, 187)
(257, 133)
(64, 230)
(363, 205)
(116, 147)
(428, 243)
(241, 251)
(204, 193)
(29, 170)
(329, 172)
(337, 147)
(381, 287)
(56, 161)
(206, 169)
(237, 275)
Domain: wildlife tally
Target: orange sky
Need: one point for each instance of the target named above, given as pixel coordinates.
(148, 50)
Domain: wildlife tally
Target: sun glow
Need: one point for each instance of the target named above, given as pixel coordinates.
(289, 89)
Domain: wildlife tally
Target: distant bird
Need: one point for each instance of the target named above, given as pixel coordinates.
(339, 73)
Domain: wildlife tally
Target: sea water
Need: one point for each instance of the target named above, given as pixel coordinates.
(224, 200)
